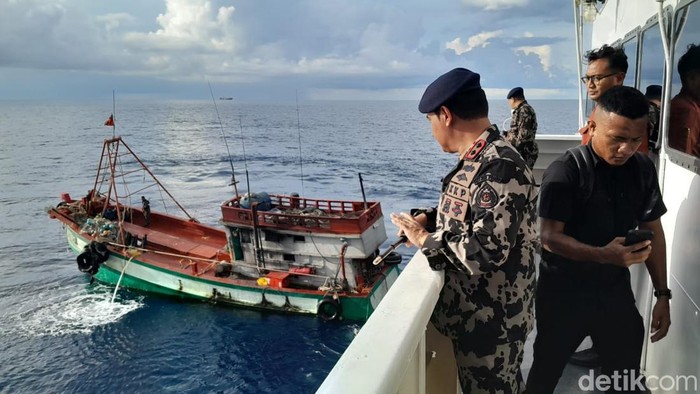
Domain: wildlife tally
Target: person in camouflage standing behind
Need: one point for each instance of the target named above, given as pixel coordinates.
(482, 234)
(523, 126)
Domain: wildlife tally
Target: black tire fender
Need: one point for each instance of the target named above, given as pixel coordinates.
(100, 251)
(86, 262)
(329, 308)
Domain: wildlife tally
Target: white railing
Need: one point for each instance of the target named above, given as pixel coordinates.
(552, 146)
(388, 355)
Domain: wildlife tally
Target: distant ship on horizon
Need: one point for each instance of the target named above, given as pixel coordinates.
(225, 98)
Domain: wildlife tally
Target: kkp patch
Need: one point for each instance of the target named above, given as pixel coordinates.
(486, 197)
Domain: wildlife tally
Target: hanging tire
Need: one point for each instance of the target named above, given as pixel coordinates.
(94, 254)
(87, 262)
(100, 251)
(329, 308)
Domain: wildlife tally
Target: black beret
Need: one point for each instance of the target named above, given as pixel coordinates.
(516, 92)
(653, 91)
(447, 85)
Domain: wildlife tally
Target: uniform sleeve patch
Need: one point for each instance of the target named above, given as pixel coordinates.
(486, 197)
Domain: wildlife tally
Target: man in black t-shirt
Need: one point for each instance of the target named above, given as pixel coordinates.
(586, 208)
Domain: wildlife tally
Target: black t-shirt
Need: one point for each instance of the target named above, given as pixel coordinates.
(617, 200)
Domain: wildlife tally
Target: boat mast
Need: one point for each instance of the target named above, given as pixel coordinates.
(301, 165)
(110, 150)
(245, 160)
(233, 183)
(114, 111)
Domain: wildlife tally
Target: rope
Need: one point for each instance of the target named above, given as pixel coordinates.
(121, 276)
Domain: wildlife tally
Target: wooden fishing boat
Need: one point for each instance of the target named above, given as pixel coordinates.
(275, 252)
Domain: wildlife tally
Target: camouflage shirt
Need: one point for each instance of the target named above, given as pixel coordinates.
(523, 127)
(654, 118)
(485, 239)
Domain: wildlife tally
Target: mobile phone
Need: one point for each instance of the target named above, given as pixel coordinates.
(636, 236)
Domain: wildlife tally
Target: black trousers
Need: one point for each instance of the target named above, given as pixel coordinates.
(566, 314)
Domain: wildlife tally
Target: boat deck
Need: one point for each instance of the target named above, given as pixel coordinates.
(177, 244)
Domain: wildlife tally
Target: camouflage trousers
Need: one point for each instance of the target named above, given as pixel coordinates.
(529, 151)
(498, 372)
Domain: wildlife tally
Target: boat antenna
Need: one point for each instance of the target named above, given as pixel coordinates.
(245, 160)
(301, 165)
(233, 183)
(362, 187)
(114, 111)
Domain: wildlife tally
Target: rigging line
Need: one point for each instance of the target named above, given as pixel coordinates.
(221, 126)
(103, 169)
(141, 189)
(123, 177)
(301, 164)
(162, 199)
(318, 250)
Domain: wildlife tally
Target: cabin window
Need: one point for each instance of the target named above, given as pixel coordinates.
(245, 237)
(651, 61)
(288, 257)
(272, 236)
(684, 133)
(299, 238)
(651, 72)
(630, 47)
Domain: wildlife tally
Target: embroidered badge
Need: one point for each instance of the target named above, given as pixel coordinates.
(475, 149)
(446, 205)
(486, 197)
(452, 206)
(457, 210)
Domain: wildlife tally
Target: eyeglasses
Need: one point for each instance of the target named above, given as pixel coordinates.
(596, 78)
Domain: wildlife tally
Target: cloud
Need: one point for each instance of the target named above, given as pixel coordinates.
(491, 5)
(115, 20)
(479, 40)
(338, 45)
(543, 52)
(189, 24)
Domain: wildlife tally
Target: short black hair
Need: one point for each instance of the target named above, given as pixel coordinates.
(469, 105)
(625, 101)
(690, 61)
(616, 57)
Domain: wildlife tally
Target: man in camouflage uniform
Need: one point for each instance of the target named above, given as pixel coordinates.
(653, 94)
(523, 126)
(482, 235)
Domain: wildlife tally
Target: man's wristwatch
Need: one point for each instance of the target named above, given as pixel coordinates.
(663, 293)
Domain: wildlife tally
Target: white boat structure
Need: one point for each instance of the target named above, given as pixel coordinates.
(275, 252)
(396, 352)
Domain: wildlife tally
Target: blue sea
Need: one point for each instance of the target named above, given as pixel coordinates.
(59, 333)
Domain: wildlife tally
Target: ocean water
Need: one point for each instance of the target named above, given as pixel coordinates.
(59, 333)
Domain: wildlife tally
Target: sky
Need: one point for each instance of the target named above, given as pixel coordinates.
(267, 50)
